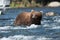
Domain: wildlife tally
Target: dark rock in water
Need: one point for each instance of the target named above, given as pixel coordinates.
(1, 13)
(28, 18)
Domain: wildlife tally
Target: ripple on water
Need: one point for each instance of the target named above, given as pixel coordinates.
(48, 30)
(22, 37)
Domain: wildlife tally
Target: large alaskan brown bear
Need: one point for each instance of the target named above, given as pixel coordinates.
(28, 18)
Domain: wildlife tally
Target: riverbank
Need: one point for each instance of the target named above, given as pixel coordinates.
(33, 3)
(25, 3)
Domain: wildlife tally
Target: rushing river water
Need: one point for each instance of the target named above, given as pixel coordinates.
(48, 30)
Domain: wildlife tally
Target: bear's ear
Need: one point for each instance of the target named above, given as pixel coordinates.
(41, 11)
(33, 15)
(32, 11)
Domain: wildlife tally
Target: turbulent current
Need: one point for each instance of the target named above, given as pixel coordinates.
(48, 30)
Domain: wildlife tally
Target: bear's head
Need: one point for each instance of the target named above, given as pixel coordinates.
(36, 17)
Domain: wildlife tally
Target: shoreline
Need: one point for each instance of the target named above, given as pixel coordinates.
(25, 7)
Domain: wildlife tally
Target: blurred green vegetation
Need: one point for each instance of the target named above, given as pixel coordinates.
(24, 3)
(12, 4)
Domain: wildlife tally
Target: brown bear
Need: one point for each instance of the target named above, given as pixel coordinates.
(28, 18)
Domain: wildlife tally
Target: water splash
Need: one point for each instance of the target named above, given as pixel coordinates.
(22, 37)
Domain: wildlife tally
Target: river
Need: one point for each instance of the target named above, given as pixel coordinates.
(48, 30)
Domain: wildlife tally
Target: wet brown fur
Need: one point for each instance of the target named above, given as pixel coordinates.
(25, 18)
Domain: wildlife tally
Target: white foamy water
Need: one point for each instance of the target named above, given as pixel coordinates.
(22, 37)
(51, 23)
(19, 27)
(5, 27)
(5, 31)
(56, 27)
(47, 31)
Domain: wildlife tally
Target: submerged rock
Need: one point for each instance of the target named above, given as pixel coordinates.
(50, 14)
